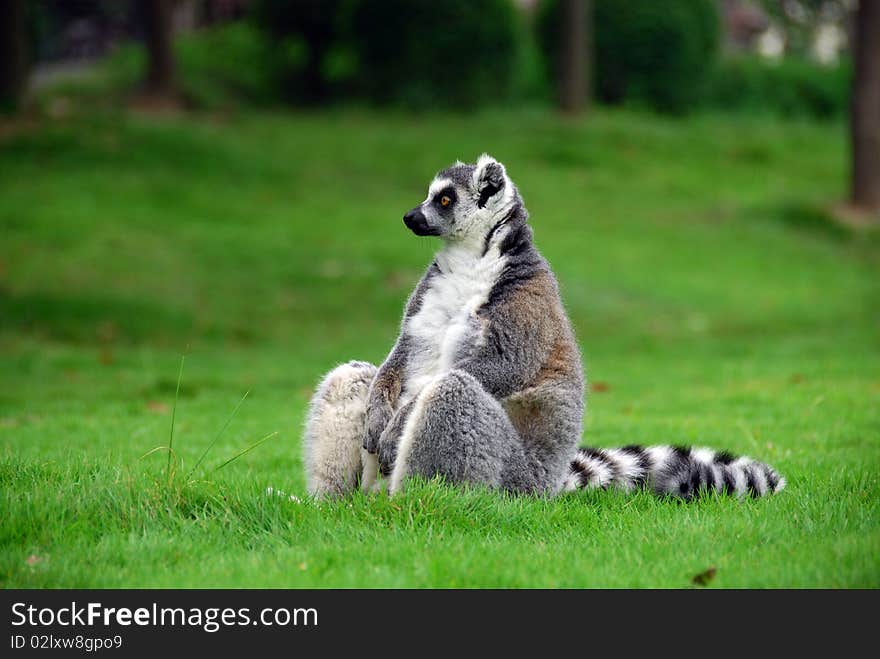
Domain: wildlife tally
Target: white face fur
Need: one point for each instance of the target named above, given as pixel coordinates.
(464, 202)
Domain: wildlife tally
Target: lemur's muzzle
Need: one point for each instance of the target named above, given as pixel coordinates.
(417, 223)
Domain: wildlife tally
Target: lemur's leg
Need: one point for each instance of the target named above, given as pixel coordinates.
(334, 458)
(457, 430)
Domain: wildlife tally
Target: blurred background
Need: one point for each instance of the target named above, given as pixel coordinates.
(793, 57)
(228, 177)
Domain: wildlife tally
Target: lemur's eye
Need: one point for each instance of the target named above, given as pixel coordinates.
(445, 201)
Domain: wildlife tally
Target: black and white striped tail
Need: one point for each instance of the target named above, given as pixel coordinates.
(679, 471)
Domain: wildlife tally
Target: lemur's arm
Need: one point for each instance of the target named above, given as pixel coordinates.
(388, 383)
(519, 332)
(383, 395)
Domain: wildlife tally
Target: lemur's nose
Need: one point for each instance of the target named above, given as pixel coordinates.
(417, 223)
(415, 219)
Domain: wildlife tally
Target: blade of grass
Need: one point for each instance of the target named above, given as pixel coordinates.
(219, 434)
(246, 450)
(157, 448)
(173, 414)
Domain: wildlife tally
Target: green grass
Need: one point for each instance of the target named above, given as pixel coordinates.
(713, 300)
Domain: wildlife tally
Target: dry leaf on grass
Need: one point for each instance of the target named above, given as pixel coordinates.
(704, 577)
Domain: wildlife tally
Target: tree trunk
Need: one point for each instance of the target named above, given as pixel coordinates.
(13, 55)
(575, 56)
(160, 79)
(865, 109)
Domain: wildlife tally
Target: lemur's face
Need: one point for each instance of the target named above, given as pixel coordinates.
(464, 202)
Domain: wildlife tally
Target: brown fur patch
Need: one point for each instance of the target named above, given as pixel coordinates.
(538, 300)
(560, 361)
(540, 286)
(525, 411)
(389, 383)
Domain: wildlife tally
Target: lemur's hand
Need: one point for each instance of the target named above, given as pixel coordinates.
(376, 422)
(390, 437)
(387, 451)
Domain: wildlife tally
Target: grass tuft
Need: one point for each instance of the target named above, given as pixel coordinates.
(173, 415)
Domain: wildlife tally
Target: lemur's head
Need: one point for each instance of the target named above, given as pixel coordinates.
(465, 202)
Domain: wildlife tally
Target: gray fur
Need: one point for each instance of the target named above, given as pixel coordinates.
(334, 460)
(467, 437)
(385, 388)
(484, 384)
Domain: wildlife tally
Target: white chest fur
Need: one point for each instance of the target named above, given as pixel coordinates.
(446, 321)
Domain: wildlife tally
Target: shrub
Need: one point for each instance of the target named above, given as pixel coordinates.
(423, 52)
(226, 65)
(218, 67)
(410, 52)
(303, 35)
(656, 53)
(789, 87)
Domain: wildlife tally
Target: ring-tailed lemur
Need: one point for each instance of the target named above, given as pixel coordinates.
(485, 384)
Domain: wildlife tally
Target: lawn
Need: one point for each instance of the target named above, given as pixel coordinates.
(714, 301)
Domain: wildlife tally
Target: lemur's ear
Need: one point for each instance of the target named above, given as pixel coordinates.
(489, 178)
